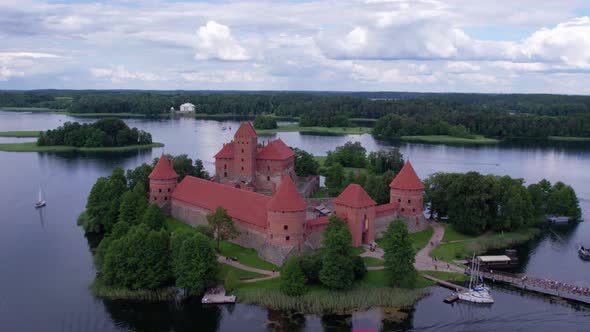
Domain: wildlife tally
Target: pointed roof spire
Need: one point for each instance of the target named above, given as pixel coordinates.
(407, 179)
(287, 197)
(246, 130)
(354, 196)
(163, 170)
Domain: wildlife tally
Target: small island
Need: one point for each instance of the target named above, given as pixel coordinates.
(108, 134)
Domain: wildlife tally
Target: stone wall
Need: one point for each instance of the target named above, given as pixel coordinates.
(414, 224)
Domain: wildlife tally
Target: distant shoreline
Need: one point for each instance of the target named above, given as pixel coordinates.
(33, 147)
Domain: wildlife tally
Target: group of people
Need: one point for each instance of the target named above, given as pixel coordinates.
(546, 283)
(372, 247)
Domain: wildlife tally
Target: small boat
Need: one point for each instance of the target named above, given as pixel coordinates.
(40, 202)
(223, 128)
(478, 292)
(584, 253)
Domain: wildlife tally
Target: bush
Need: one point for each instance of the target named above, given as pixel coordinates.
(292, 278)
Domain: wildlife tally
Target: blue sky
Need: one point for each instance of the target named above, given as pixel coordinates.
(529, 46)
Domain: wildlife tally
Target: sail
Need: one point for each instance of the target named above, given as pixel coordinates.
(40, 197)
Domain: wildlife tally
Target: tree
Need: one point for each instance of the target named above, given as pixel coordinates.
(223, 225)
(98, 205)
(337, 262)
(139, 175)
(348, 155)
(540, 193)
(195, 266)
(230, 281)
(305, 164)
(264, 122)
(563, 201)
(133, 205)
(335, 179)
(359, 267)
(399, 255)
(138, 260)
(292, 278)
(153, 217)
(311, 265)
(381, 161)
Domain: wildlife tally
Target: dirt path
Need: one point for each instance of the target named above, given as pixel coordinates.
(238, 265)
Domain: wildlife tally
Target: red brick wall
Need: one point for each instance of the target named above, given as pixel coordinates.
(245, 157)
(160, 192)
(354, 218)
(411, 202)
(222, 167)
(294, 222)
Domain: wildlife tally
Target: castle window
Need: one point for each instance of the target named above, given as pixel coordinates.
(224, 174)
(409, 201)
(271, 236)
(155, 198)
(287, 238)
(268, 168)
(268, 178)
(413, 210)
(225, 166)
(159, 190)
(286, 227)
(399, 200)
(168, 189)
(165, 198)
(403, 209)
(242, 168)
(242, 150)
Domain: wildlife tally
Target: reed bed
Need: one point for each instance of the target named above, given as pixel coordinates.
(106, 292)
(332, 302)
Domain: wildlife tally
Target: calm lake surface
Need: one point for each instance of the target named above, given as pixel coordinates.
(46, 265)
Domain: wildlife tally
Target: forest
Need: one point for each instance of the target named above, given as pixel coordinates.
(462, 115)
(102, 133)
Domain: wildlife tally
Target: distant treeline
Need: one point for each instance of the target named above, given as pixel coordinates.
(103, 133)
(496, 115)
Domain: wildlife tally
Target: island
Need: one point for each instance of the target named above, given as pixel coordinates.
(109, 134)
(171, 230)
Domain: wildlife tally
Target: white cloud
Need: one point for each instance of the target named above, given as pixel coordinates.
(228, 76)
(119, 74)
(215, 41)
(33, 55)
(7, 73)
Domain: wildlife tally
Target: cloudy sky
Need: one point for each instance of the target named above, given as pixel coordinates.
(400, 45)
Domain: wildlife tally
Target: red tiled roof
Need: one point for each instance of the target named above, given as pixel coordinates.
(287, 198)
(407, 179)
(354, 196)
(227, 151)
(275, 150)
(240, 204)
(323, 220)
(246, 129)
(163, 170)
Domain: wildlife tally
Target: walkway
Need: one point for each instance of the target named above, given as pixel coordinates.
(238, 265)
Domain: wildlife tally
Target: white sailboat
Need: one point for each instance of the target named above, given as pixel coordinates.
(477, 292)
(40, 202)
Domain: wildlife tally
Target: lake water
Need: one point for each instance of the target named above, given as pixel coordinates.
(46, 265)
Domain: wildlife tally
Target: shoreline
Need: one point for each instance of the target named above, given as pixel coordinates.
(21, 133)
(316, 130)
(33, 147)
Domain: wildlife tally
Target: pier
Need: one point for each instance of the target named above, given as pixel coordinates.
(217, 296)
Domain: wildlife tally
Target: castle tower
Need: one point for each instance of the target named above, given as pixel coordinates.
(286, 215)
(163, 181)
(245, 148)
(357, 209)
(408, 192)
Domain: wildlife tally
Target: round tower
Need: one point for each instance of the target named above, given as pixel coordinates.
(163, 180)
(286, 215)
(407, 191)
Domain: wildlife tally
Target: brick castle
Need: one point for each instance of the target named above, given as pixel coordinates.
(283, 224)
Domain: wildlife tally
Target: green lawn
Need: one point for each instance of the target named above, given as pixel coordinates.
(317, 130)
(357, 250)
(446, 139)
(372, 261)
(27, 109)
(421, 239)
(451, 234)
(32, 147)
(320, 193)
(240, 274)
(20, 133)
(246, 256)
(465, 249)
(568, 139)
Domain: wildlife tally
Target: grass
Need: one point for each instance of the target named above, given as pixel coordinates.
(461, 250)
(246, 256)
(446, 139)
(28, 109)
(106, 292)
(32, 147)
(357, 250)
(320, 193)
(421, 239)
(568, 139)
(451, 234)
(224, 269)
(21, 133)
(372, 261)
(317, 130)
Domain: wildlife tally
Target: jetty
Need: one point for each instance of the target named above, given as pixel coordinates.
(457, 288)
(217, 296)
(544, 286)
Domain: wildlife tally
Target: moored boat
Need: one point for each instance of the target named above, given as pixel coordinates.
(477, 292)
(584, 253)
(40, 202)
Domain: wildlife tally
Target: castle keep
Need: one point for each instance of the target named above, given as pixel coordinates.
(283, 224)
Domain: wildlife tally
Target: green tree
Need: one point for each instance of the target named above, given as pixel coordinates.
(540, 193)
(399, 255)
(265, 122)
(348, 155)
(197, 266)
(139, 175)
(359, 267)
(311, 265)
(222, 223)
(153, 217)
(335, 179)
(98, 205)
(230, 281)
(292, 278)
(385, 160)
(133, 205)
(305, 164)
(564, 201)
(337, 262)
(138, 260)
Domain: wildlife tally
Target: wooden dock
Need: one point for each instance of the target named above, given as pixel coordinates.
(217, 296)
(446, 284)
(543, 286)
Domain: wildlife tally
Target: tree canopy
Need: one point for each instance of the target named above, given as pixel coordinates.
(399, 255)
(337, 262)
(222, 223)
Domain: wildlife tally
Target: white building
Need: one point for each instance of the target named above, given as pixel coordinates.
(187, 108)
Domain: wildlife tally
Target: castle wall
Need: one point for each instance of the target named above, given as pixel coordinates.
(224, 169)
(269, 173)
(411, 202)
(414, 223)
(160, 192)
(355, 219)
(286, 228)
